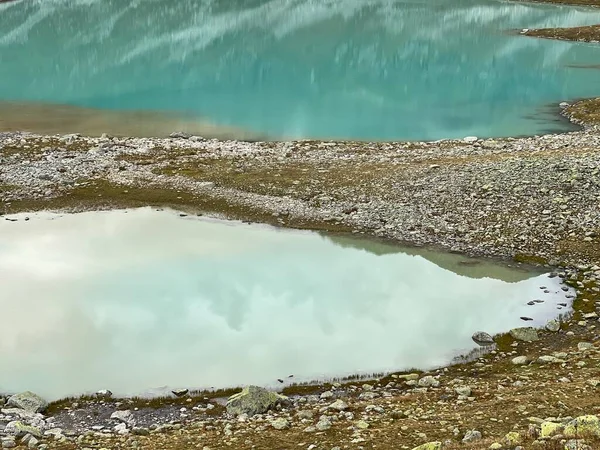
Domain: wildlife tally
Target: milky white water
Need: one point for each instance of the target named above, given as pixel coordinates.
(133, 301)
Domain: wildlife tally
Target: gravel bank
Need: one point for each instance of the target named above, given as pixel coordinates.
(535, 198)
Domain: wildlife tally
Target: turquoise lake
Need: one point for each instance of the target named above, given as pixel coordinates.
(348, 69)
(141, 300)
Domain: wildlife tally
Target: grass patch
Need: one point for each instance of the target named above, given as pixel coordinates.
(585, 111)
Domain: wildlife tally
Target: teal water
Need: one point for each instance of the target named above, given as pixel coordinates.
(138, 300)
(366, 69)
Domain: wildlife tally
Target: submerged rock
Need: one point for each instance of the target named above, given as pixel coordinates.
(526, 334)
(28, 401)
(482, 338)
(253, 400)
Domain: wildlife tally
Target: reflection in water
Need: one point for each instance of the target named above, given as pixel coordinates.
(367, 69)
(460, 265)
(141, 299)
(59, 119)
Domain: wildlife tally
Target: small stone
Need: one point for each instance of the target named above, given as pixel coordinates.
(495, 446)
(362, 425)
(553, 326)
(339, 405)
(180, 392)
(512, 439)
(280, 424)
(464, 391)
(323, 424)
(123, 416)
(8, 442)
(471, 435)
(520, 360)
(428, 381)
(326, 395)
(584, 346)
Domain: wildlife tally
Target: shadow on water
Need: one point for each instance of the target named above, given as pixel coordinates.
(456, 263)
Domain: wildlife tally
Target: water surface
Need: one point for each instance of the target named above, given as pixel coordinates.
(133, 301)
(365, 69)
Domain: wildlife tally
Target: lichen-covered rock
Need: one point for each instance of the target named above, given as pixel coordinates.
(512, 439)
(549, 429)
(430, 446)
(19, 429)
(526, 334)
(253, 400)
(28, 401)
(583, 426)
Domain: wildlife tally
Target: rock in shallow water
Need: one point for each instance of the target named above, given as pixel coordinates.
(253, 400)
(28, 401)
(482, 338)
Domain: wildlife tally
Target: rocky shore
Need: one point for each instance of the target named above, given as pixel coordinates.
(535, 199)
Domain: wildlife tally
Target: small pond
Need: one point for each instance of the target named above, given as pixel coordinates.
(138, 300)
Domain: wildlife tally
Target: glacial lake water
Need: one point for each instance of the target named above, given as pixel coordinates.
(347, 69)
(134, 301)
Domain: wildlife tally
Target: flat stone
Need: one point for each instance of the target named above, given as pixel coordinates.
(520, 360)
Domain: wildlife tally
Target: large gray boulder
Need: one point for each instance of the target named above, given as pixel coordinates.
(483, 339)
(28, 401)
(526, 334)
(253, 400)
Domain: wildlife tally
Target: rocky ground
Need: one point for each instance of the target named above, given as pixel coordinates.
(533, 199)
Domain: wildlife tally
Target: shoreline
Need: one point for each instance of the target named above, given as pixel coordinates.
(533, 200)
(375, 190)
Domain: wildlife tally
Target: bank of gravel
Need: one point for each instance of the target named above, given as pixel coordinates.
(533, 199)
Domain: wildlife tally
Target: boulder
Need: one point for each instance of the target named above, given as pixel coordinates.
(583, 426)
(482, 338)
(550, 429)
(553, 326)
(253, 400)
(19, 429)
(28, 401)
(526, 334)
